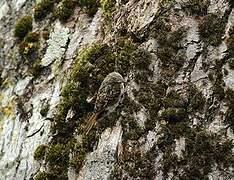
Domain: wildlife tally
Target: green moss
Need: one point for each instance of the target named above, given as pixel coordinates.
(28, 51)
(40, 152)
(141, 59)
(206, 150)
(58, 154)
(202, 152)
(45, 110)
(90, 140)
(174, 114)
(77, 159)
(135, 164)
(170, 51)
(57, 172)
(161, 27)
(127, 56)
(89, 70)
(231, 63)
(211, 76)
(41, 176)
(173, 99)
(108, 6)
(36, 68)
(57, 158)
(150, 96)
(229, 97)
(229, 115)
(65, 10)
(67, 7)
(218, 91)
(170, 161)
(75, 97)
(89, 6)
(225, 72)
(42, 9)
(29, 46)
(212, 29)
(196, 7)
(32, 37)
(45, 34)
(89, 55)
(131, 128)
(196, 100)
(230, 43)
(122, 52)
(23, 26)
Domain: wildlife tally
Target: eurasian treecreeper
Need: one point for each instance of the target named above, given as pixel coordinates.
(108, 97)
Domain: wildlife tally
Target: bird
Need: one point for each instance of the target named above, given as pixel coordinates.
(107, 99)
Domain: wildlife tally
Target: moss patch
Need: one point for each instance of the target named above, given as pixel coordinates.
(196, 7)
(229, 115)
(42, 9)
(40, 176)
(28, 48)
(212, 29)
(231, 63)
(89, 6)
(23, 26)
(174, 114)
(230, 45)
(65, 10)
(45, 109)
(108, 6)
(36, 68)
(196, 100)
(89, 70)
(40, 152)
(57, 158)
(202, 151)
(170, 52)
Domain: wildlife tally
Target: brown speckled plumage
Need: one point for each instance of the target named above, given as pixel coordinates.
(108, 97)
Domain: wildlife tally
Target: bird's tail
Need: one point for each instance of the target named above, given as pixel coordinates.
(90, 123)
